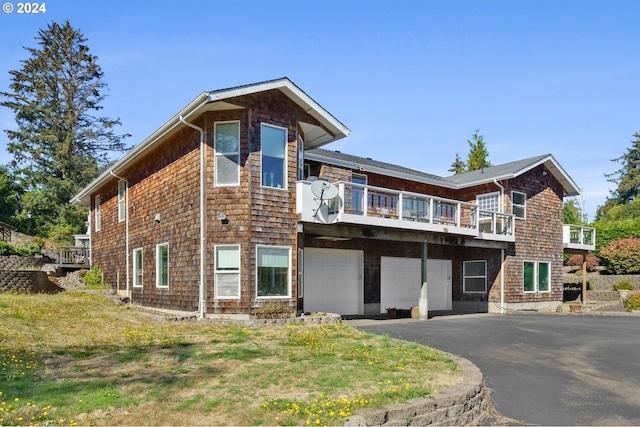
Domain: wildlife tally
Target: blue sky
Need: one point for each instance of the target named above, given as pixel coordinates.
(411, 79)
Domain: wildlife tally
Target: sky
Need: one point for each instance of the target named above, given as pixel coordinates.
(411, 79)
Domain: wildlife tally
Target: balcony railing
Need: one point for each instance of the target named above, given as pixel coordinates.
(578, 237)
(368, 205)
(74, 256)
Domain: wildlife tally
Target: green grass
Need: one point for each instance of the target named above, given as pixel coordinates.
(76, 358)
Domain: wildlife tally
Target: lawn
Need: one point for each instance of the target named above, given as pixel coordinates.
(76, 358)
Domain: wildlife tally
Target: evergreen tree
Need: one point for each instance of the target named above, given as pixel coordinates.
(60, 144)
(628, 176)
(458, 166)
(8, 197)
(478, 153)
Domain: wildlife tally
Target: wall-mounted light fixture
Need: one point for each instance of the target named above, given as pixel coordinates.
(157, 218)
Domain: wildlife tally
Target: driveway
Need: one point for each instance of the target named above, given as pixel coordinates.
(542, 369)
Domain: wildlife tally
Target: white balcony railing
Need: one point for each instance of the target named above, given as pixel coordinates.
(578, 237)
(368, 205)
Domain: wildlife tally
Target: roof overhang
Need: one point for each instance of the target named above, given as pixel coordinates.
(330, 130)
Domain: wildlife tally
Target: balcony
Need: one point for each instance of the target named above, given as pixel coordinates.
(578, 237)
(374, 206)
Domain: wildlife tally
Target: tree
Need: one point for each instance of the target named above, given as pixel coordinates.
(571, 213)
(478, 154)
(628, 176)
(458, 166)
(60, 145)
(8, 197)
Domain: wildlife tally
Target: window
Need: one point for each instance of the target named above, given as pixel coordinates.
(536, 277)
(519, 204)
(227, 153)
(97, 212)
(357, 193)
(227, 274)
(274, 271)
(122, 194)
(475, 276)
(162, 265)
(137, 267)
(489, 202)
(274, 156)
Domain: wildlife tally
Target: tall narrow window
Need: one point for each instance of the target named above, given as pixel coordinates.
(274, 156)
(543, 276)
(227, 274)
(227, 153)
(274, 271)
(475, 276)
(301, 165)
(122, 195)
(162, 265)
(137, 267)
(529, 279)
(519, 204)
(97, 213)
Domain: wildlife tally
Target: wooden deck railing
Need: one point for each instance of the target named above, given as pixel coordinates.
(74, 255)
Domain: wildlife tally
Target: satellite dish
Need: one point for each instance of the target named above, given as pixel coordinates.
(324, 190)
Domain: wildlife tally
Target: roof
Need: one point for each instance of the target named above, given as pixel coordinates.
(331, 129)
(464, 180)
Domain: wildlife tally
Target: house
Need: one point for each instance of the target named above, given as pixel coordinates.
(233, 204)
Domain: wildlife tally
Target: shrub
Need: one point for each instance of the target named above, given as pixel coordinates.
(93, 279)
(8, 249)
(623, 285)
(273, 310)
(622, 256)
(633, 302)
(593, 262)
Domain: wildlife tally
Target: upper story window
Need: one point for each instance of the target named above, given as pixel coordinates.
(122, 200)
(489, 202)
(301, 164)
(227, 153)
(274, 156)
(97, 213)
(519, 204)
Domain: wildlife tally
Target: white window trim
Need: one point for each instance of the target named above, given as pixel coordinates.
(288, 272)
(486, 195)
(97, 213)
(122, 202)
(158, 246)
(216, 154)
(216, 272)
(285, 171)
(465, 277)
(536, 273)
(133, 263)
(516, 204)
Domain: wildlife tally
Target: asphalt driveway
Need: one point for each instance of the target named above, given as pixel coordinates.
(542, 369)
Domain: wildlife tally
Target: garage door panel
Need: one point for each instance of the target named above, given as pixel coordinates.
(333, 280)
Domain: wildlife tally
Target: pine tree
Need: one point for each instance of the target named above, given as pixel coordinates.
(628, 176)
(477, 158)
(60, 144)
(458, 166)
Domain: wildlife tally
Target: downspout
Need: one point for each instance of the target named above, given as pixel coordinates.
(501, 250)
(203, 212)
(126, 227)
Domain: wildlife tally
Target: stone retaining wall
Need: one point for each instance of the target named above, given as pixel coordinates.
(466, 403)
(31, 281)
(15, 262)
(603, 282)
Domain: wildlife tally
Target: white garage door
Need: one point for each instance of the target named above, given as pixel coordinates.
(333, 280)
(400, 281)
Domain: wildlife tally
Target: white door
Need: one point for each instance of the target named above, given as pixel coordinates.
(400, 282)
(333, 280)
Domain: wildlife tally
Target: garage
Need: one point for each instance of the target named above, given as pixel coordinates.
(400, 280)
(333, 280)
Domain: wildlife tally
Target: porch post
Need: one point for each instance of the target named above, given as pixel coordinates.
(423, 308)
(584, 278)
